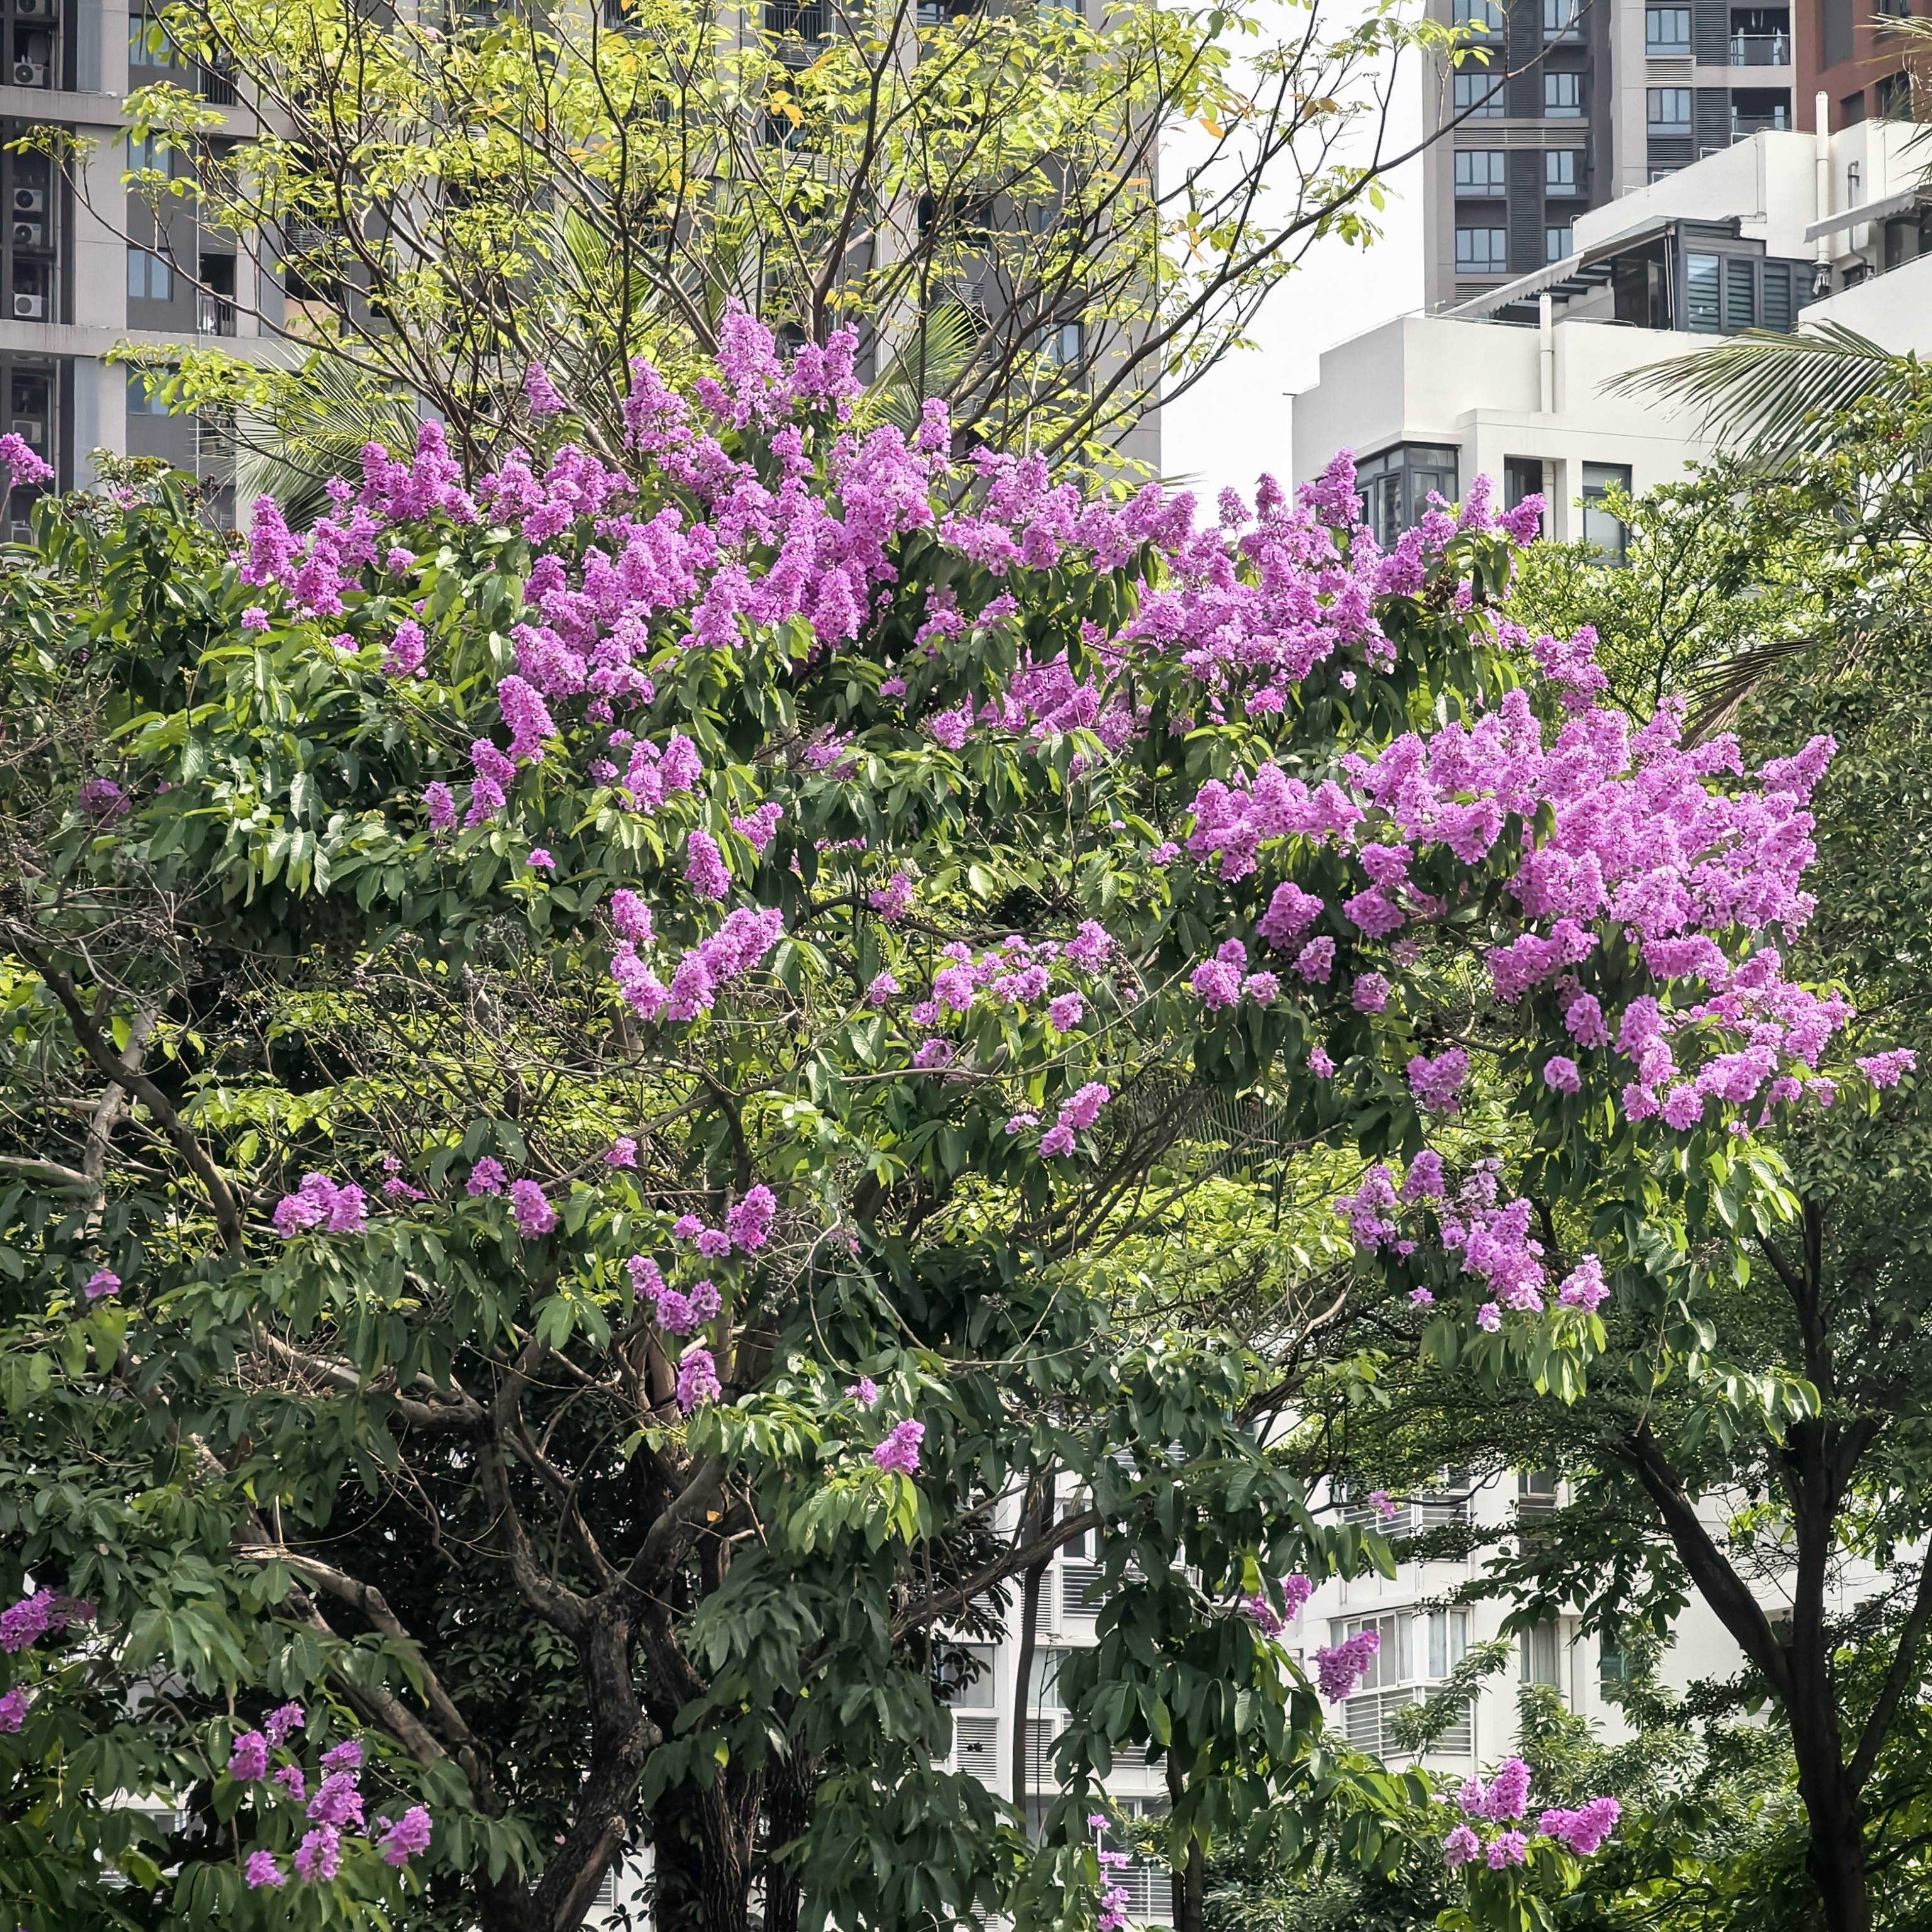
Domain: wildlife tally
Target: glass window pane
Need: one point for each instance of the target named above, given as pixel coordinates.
(1700, 288)
(137, 274)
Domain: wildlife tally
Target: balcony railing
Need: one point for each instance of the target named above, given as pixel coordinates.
(1744, 126)
(214, 316)
(1760, 50)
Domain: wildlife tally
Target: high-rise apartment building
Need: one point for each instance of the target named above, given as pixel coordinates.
(74, 282)
(1561, 105)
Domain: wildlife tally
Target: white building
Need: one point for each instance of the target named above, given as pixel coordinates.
(1511, 383)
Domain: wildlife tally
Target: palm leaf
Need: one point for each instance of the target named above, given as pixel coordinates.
(930, 362)
(294, 460)
(1720, 688)
(1769, 396)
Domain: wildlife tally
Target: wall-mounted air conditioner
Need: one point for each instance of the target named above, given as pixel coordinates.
(29, 73)
(28, 234)
(29, 308)
(30, 430)
(30, 201)
(34, 10)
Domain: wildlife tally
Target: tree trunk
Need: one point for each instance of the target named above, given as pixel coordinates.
(1033, 1522)
(1189, 1887)
(787, 1812)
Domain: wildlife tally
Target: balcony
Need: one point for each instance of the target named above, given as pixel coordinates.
(1744, 126)
(212, 316)
(1760, 50)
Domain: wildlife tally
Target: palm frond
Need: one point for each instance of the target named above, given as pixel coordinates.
(1768, 396)
(1718, 690)
(928, 363)
(294, 460)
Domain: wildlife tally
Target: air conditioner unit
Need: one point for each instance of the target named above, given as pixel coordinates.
(30, 429)
(28, 234)
(30, 201)
(34, 10)
(29, 308)
(29, 73)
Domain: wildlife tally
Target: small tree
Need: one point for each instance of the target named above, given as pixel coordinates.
(582, 1050)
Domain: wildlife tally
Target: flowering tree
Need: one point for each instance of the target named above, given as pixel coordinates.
(581, 1046)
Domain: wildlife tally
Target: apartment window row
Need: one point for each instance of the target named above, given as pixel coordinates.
(1483, 173)
(1480, 96)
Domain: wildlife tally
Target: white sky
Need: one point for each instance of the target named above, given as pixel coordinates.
(1234, 424)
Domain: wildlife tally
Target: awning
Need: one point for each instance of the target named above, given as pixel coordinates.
(1575, 274)
(1869, 211)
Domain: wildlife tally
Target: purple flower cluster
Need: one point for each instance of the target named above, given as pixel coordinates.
(696, 1379)
(319, 1204)
(1504, 1800)
(534, 1213)
(1295, 1591)
(738, 945)
(335, 1810)
(898, 1454)
(1340, 1667)
(38, 1614)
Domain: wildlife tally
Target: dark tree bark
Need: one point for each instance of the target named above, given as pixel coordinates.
(1189, 1884)
(1033, 1526)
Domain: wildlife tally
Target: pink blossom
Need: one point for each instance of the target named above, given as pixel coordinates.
(1056, 1141)
(101, 1282)
(864, 1391)
(622, 1152)
(1436, 1082)
(899, 1452)
(534, 1214)
(319, 1856)
(749, 1222)
(1340, 1667)
(1488, 1318)
(486, 1176)
(1319, 1064)
(631, 917)
(1507, 1848)
(1461, 1847)
(1018, 1123)
(254, 618)
(696, 1379)
(1884, 1069)
(441, 801)
(261, 1869)
(705, 870)
(1561, 1074)
(408, 1835)
(336, 1800)
(1584, 1287)
(248, 1757)
(281, 1721)
(1064, 1013)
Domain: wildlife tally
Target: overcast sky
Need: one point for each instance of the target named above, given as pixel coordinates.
(1234, 424)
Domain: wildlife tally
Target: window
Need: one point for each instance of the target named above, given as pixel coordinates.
(1062, 347)
(1536, 1488)
(1615, 1668)
(965, 1671)
(1481, 171)
(1777, 305)
(1666, 31)
(1667, 109)
(1043, 1693)
(1480, 96)
(139, 403)
(1482, 251)
(1740, 292)
(1562, 96)
(1396, 485)
(1481, 17)
(149, 46)
(1895, 97)
(1556, 243)
(1416, 1651)
(1523, 477)
(149, 277)
(1607, 534)
(1560, 20)
(1701, 290)
(1543, 1643)
(1563, 172)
